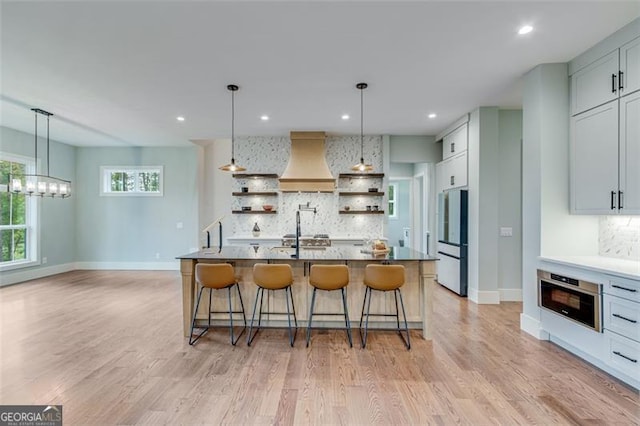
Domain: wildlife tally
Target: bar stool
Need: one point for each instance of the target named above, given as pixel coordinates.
(384, 278)
(272, 277)
(217, 276)
(329, 278)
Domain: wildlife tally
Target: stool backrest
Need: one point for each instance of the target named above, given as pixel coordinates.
(384, 277)
(272, 276)
(215, 275)
(329, 277)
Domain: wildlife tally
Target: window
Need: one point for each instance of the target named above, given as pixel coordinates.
(136, 181)
(18, 215)
(393, 190)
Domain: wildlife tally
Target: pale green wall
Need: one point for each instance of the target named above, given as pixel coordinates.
(403, 203)
(414, 149)
(510, 200)
(134, 229)
(57, 216)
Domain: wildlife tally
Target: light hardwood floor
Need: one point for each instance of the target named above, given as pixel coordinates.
(108, 345)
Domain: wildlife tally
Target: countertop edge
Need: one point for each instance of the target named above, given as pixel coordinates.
(619, 267)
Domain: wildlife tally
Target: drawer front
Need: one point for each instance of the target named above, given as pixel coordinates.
(622, 316)
(448, 270)
(623, 354)
(622, 287)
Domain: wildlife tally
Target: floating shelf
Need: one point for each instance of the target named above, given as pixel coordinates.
(375, 194)
(361, 212)
(245, 194)
(253, 212)
(361, 175)
(255, 175)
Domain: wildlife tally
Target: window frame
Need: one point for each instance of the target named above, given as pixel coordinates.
(107, 171)
(393, 201)
(32, 217)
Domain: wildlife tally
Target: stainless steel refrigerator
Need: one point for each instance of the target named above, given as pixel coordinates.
(452, 240)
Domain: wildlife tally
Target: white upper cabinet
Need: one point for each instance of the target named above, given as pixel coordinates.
(594, 161)
(595, 84)
(630, 67)
(452, 172)
(455, 142)
(629, 202)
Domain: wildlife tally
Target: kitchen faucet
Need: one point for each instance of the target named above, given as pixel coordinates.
(301, 208)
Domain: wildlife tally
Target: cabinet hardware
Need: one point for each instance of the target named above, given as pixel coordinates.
(632, 290)
(613, 200)
(613, 83)
(453, 180)
(620, 194)
(624, 318)
(625, 357)
(620, 83)
(453, 145)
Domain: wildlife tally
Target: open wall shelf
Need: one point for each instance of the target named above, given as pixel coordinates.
(253, 212)
(361, 175)
(246, 194)
(255, 175)
(374, 194)
(361, 212)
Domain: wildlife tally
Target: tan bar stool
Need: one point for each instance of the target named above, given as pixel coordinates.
(329, 278)
(272, 277)
(217, 276)
(384, 278)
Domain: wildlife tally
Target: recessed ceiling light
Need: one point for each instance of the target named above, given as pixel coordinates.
(432, 115)
(180, 118)
(264, 117)
(345, 116)
(525, 30)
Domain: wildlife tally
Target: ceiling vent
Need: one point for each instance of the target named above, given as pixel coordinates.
(307, 170)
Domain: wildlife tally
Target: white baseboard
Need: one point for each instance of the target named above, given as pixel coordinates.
(130, 266)
(510, 295)
(483, 297)
(8, 278)
(532, 326)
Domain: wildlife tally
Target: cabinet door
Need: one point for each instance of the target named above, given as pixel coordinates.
(458, 171)
(455, 142)
(630, 154)
(440, 176)
(595, 84)
(630, 67)
(594, 161)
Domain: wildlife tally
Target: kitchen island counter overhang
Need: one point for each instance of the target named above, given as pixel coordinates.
(420, 276)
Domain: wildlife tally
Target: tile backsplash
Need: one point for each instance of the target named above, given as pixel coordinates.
(619, 237)
(271, 154)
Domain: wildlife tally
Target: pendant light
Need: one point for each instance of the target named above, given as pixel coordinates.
(40, 184)
(232, 167)
(361, 166)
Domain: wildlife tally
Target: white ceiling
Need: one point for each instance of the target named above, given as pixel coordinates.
(118, 73)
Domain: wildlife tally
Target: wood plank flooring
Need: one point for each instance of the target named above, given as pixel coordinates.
(108, 345)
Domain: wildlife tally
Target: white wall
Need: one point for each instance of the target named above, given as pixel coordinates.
(403, 209)
(414, 149)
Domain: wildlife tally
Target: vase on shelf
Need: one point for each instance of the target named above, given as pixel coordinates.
(256, 230)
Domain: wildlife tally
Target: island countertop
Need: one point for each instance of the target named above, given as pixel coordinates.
(316, 254)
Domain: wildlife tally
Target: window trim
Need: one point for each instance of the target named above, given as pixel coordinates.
(32, 217)
(393, 201)
(105, 174)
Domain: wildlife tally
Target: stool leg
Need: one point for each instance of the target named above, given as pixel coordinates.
(244, 318)
(346, 315)
(250, 337)
(406, 326)
(291, 335)
(313, 301)
(295, 320)
(395, 296)
(366, 324)
(193, 322)
(235, 340)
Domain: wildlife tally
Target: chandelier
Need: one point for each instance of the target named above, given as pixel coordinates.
(40, 184)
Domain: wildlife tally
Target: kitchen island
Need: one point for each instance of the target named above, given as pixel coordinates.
(420, 273)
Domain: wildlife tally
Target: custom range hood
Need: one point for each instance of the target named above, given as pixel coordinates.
(307, 170)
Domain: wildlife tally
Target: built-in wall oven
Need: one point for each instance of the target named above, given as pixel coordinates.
(574, 299)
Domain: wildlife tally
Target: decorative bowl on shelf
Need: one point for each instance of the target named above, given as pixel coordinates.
(267, 207)
(347, 208)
